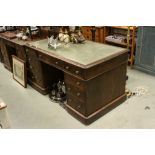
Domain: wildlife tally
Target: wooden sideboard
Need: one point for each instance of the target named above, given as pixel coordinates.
(94, 75)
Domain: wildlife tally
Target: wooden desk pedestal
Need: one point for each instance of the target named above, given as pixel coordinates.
(95, 80)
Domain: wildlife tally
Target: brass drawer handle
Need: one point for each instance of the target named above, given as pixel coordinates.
(78, 83)
(69, 88)
(27, 50)
(40, 56)
(31, 67)
(79, 106)
(56, 63)
(67, 67)
(77, 72)
(78, 94)
(69, 100)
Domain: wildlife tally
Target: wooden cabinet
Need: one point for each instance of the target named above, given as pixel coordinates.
(99, 33)
(11, 47)
(123, 36)
(145, 49)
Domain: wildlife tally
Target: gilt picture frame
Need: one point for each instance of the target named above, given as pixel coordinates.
(19, 71)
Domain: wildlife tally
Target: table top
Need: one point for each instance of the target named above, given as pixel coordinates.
(84, 54)
(5, 35)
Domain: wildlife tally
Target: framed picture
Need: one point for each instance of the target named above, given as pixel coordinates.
(19, 71)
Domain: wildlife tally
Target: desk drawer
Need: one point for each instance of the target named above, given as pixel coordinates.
(76, 104)
(58, 63)
(51, 60)
(76, 93)
(74, 70)
(9, 43)
(72, 81)
(75, 88)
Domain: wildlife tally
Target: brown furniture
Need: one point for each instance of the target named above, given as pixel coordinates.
(94, 75)
(99, 33)
(1, 56)
(102, 32)
(129, 32)
(16, 47)
(11, 47)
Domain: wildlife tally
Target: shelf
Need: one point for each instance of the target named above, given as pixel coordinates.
(118, 43)
(99, 26)
(122, 27)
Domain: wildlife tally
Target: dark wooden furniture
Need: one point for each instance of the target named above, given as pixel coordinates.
(16, 47)
(11, 47)
(145, 49)
(1, 56)
(94, 75)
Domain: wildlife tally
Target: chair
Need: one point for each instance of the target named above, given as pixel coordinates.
(4, 119)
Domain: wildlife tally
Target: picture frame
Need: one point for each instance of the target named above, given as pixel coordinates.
(19, 71)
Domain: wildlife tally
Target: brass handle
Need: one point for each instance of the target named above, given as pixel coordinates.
(69, 88)
(79, 106)
(31, 67)
(78, 94)
(77, 72)
(67, 67)
(69, 100)
(29, 59)
(27, 50)
(56, 63)
(78, 83)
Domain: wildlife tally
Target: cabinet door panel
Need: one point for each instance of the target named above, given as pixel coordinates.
(145, 52)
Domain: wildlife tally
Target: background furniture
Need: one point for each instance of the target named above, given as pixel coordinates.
(145, 49)
(94, 75)
(1, 56)
(112, 34)
(129, 33)
(99, 33)
(10, 45)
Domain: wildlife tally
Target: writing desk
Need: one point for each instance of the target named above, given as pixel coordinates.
(12, 46)
(94, 75)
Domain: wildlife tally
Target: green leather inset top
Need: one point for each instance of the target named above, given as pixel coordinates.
(84, 54)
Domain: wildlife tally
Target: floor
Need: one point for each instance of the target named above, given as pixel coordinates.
(29, 109)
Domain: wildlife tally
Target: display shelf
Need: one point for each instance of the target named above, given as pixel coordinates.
(115, 42)
(122, 27)
(129, 32)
